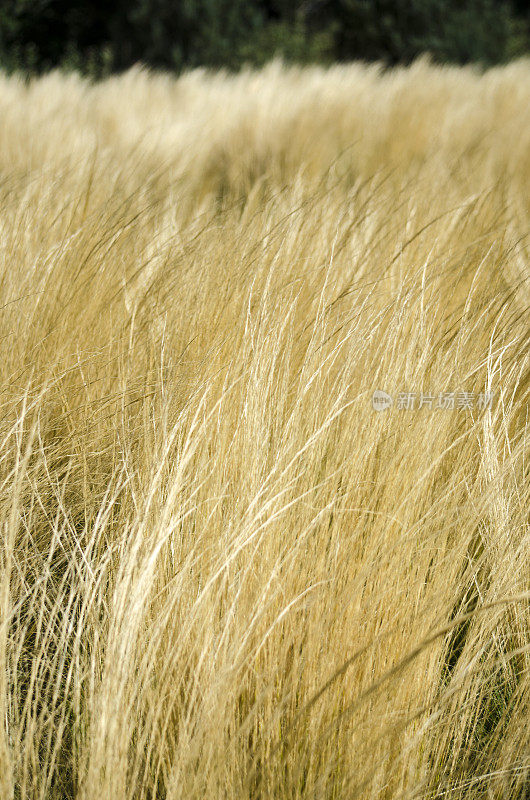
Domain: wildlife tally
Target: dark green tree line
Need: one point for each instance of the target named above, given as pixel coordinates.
(100, 37)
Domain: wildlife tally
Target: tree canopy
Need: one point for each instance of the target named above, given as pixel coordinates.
(98, 37)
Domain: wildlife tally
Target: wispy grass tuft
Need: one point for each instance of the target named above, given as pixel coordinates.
(223, 574)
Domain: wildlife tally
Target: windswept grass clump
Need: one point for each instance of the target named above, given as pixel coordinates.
(223, 574)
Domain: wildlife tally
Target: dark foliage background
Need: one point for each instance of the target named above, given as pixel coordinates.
(100, 37)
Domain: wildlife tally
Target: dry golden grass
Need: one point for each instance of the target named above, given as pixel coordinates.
(223, 575)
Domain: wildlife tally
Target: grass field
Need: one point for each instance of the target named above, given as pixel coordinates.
(224, 574)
